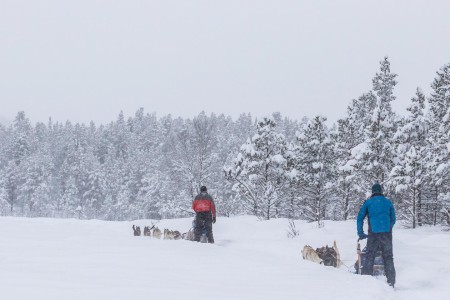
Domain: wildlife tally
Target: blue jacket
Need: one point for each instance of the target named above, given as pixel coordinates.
(380, 212)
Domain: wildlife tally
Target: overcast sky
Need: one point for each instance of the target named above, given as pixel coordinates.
(88, 60)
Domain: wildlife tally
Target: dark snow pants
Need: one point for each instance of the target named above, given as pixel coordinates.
(380, 241)
(203, 219)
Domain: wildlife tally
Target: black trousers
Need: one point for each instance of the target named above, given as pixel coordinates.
(380, 241)
(203, 220)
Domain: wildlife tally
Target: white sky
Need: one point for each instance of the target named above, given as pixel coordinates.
(87, 60)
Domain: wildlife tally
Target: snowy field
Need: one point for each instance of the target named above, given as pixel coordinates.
(72, 259)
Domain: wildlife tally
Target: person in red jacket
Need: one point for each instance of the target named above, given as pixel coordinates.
(205, 211)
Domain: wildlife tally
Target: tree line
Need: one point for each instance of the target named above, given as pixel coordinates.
(150, 167)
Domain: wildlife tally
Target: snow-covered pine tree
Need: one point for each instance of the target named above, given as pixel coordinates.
(153, 193)
(409, 175)
(359, 113)
(259, 171)
(69, 199)
(348, 134)
(374, 158)
(439, 141)
(192, 156)
(35, 187)
(4, 206)
(286, 126)
(11, 185)
(94, 195)
(232, 137)
(347, 189)
(77, 165)
(20, 147)
(315, 162)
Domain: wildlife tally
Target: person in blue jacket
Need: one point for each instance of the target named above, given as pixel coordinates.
(381, 219)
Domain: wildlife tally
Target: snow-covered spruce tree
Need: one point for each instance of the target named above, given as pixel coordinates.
(19, 151)
(137, 169)
(154, 193)
(4, 206)
(259, 171)
(349, 133)
(112, 170)
(69, 199)
(360, 112)
(58, 139)
(409, 175)
(20, 147)
(445, 210)
(293, 200)
(3, 145)
(77, 166)
(11, 185)
(127, 180)
(287, 126)
(231, 135)
(347, 190)
(149, 184)
(314, 162)
(121, 137)
(439, 141)
(35, 186)
(374, 158)
(95, 189)
(192, 158)
(172, 188)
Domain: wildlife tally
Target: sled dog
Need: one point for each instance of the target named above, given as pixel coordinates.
(147, 231)
(176, 235)
(168, 234)
(157, 233)
(328, 256)
(188, 235)
(136, 230)
(309, 253)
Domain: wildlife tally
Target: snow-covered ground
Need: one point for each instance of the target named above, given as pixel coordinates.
(252, 259)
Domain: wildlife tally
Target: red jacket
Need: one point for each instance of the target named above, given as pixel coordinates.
(203, 203)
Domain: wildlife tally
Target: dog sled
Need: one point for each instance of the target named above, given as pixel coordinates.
(378, 266)
(190, 236)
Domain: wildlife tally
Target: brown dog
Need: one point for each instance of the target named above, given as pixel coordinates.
(330, 255)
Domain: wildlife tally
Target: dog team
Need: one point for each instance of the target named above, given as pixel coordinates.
(328, 256)
(155, 232)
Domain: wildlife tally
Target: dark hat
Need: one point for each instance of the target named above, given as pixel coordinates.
(203, 189)
(377, 189)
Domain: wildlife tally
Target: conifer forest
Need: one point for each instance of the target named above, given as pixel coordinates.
(152, 167)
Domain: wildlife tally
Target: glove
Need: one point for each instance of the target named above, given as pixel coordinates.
(214, 220)
(362, 236)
